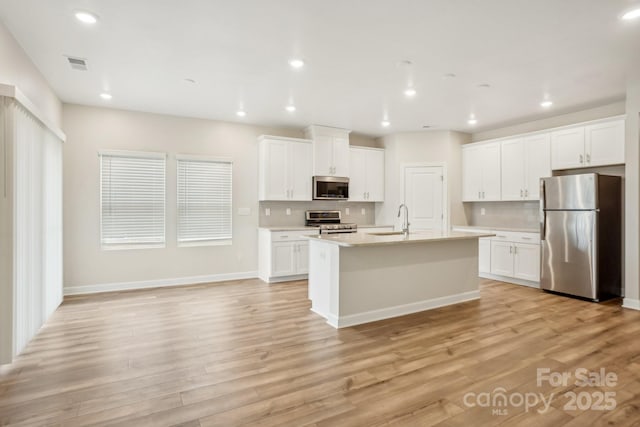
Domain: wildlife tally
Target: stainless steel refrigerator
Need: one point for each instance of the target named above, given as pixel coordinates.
(581, 232)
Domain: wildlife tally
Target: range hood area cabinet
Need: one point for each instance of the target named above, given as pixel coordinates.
(509, 169)
(284, 169)
(330, 150)
(524, 161)
(366, 166)
(481, 172)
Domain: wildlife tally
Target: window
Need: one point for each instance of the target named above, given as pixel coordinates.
(204, 200)
(132, 198)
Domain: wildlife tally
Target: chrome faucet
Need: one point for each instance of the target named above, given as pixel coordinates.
(405, 223)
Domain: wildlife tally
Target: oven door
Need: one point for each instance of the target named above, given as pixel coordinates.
(330, 188)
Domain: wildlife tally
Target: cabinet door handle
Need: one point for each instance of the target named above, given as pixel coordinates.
(515, 250)
(479, 195)
(526, 193)
(521, 193)
(581, 159)
(588, 158)
(483, 195)
(510, 249)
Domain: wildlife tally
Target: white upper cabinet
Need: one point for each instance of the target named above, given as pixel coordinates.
(285, 166)
(537, 163)
(567, 148)
(330, 150)
(513, 174)
(596, 144)
(366, 166)
(524, 162)
(481, 172)
(604, 143)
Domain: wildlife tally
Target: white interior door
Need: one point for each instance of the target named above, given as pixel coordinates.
(423, 194)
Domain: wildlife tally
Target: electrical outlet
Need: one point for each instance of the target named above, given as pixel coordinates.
(483, 211)
(267, 211)
(288, 211)
(346, 211)
(363, 211)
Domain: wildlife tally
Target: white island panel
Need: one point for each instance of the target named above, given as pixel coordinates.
(353, 282)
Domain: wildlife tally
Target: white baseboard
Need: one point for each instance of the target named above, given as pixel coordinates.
(399, 310)
(633, 304)
(160, 283)
(510, 280)
(285, 278)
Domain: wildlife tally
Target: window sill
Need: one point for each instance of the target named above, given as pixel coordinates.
(117, 247)
(225, 242)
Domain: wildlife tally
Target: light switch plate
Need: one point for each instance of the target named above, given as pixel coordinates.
(244, 211)
(346, 211)
(483, 211)
(363, 211)
(288, 211)
(267, 211)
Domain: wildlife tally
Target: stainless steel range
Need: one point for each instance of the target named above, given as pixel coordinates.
(329, 222)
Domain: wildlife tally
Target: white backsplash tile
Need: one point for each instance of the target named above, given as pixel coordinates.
(278, 212)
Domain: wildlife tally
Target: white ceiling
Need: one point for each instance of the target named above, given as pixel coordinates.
(576, 51)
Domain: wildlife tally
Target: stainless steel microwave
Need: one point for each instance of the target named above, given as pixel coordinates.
(330, 188)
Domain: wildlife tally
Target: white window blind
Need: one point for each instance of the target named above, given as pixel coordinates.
(132, 195)
(204, 200)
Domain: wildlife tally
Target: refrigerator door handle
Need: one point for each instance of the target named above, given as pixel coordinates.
(543, 214)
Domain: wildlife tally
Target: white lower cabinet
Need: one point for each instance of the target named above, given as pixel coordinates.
(512, 257)
(502, 258)
(509, 256)
(283, 255)
(526, 262)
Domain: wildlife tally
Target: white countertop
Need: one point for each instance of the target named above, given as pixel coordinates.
(481, 228)
(367, 239)
(303, 227)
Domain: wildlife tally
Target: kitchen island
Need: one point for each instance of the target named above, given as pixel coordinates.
(359, 278)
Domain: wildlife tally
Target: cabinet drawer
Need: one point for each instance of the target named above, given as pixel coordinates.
(533, 238)
(289, 236)
(511, 236)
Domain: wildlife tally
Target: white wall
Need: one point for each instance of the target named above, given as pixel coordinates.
(17, 69)
(632, 198)
(91, 129)
(422, 147)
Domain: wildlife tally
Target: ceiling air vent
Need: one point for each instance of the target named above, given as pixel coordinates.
(77, 63)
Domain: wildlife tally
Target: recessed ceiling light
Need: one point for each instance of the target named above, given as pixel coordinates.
(546, 104)
(241, 113)
(632, 14)
(449, 76)
(484, 86)
(296, 63)
(106, 96)
(86, 17)
(385, 123)
(472, 120)
(410, 92)
(290, 108)
(189, 80)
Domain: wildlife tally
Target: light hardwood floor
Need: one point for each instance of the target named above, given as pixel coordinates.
(246, 352)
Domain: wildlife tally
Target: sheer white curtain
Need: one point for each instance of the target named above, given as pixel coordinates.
(31, 226)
